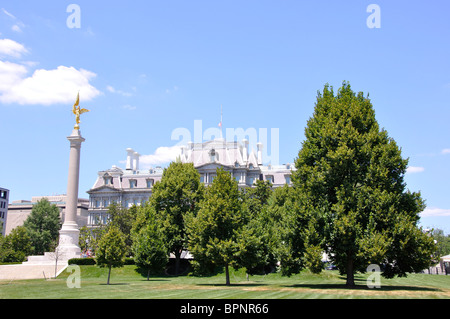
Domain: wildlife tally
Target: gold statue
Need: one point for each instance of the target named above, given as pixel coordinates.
(78, 111)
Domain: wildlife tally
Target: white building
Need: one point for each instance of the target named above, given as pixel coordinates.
(4, 198)
(131, 186)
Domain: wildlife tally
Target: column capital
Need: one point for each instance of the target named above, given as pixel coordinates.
(76, 138)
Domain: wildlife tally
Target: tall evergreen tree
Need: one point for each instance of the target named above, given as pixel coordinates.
(43, 225)
(351, 190)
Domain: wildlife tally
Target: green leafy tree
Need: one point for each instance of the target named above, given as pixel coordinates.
(284, 227)
(351, 191)
(177, 194)
(150, 251)
(443, 242)
(217, 235)
(16, 246)
(256, 254)
(111, 250)
(123, 218)
(43, 225)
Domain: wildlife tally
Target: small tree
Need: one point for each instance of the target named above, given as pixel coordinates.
(111, 250)
(16, 246)
(122, 218)
(43, 225)
(217, 234)
(177, 194)
(150, 251)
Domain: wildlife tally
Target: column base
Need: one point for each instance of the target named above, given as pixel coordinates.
(68, 241)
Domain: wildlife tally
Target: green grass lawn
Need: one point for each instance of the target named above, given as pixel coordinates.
(126, 282)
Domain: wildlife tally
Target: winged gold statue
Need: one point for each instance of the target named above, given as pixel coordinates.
(78, 111)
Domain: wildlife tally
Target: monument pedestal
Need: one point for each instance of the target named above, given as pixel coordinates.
(68, 241)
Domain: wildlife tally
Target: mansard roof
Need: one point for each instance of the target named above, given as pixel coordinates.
(225, 153)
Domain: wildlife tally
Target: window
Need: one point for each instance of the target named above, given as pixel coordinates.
(150, 183)
(108, 180)
(133, 183)
(270, 178)
(202, 178)
(251, 180)
(288, 179)
(212, 155)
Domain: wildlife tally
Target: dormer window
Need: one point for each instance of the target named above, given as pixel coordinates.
(133, 183)
(236, 164)
(108, 180)
(150, 183)
(212, 155)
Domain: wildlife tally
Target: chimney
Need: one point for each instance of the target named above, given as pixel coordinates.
(260, 148)
(245, 150)
(130, 155)
(136, 161)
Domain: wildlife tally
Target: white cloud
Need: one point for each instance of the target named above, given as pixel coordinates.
(10, 74)
(18, 25)
(162, 155)
(113, 90)
(175, 88)
(446, 151)
(435, 212)
(129, 107)
(16, 28)
(45, 87)
(11, 48)
(8, 14)
(414, 169)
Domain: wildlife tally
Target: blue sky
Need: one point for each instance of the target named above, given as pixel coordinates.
(146, 68)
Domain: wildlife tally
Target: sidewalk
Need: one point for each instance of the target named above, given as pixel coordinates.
(23, 271)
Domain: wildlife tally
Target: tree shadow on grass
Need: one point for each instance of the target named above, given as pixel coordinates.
(239, 284)
(115, 284)
(361, 285)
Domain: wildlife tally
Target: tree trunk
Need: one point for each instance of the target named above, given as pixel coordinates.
(227, 275)
(177, 261)
(148, 274)
(350, 273)
(109, 274)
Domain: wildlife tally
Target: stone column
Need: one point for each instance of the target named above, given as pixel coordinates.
(68, 235)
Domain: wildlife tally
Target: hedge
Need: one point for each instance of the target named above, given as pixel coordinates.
(91, 261)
